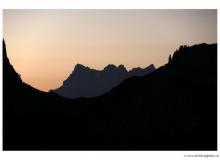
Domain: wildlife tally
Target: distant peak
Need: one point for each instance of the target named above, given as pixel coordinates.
(79, 67)
(122, 68)
(110, 67)
(151, 66)
(136, 69)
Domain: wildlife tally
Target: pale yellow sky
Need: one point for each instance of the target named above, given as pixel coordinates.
(44, 45)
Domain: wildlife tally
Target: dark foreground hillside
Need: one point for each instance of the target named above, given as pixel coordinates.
(173, 108)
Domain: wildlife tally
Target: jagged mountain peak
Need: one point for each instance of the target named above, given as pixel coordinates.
(86, 82)
(151, 66)
(110, 67)
(122, 68)
(80, 67)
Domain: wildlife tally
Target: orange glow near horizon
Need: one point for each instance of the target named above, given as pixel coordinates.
(45, 45)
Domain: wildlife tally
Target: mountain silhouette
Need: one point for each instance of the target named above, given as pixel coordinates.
(173, 108)
(86, 82)
(9, 71)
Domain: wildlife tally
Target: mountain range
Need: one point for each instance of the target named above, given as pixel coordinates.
(86, 82)
(173, 108)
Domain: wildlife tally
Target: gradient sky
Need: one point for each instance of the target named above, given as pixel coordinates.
(45, 45)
